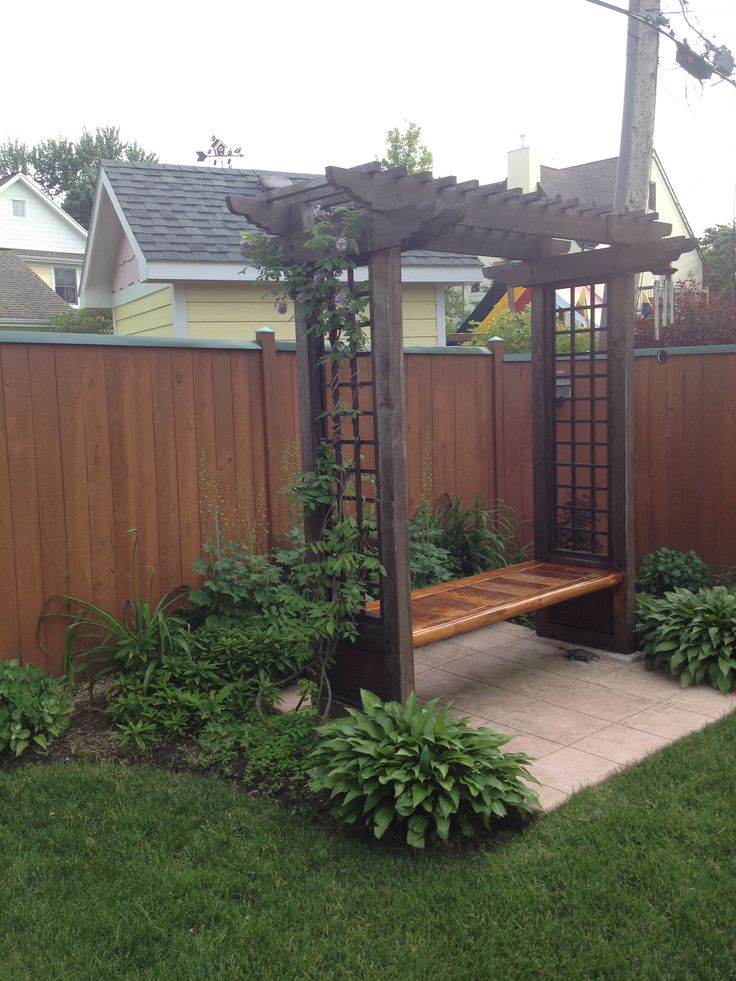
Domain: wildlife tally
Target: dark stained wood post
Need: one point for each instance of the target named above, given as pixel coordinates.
(393, 492)
(309, 352)
(621, 306)
(495, 346)
(543, 379)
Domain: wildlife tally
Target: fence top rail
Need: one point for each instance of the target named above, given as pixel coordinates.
(651, 352)
(135, 340)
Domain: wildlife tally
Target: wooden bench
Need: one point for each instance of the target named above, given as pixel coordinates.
(457, 607)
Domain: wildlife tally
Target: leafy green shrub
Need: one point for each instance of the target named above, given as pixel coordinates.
(237, 583)
(427, 772)
(430, 562)
(216, 678)
(693, 634)
(33, 707)
(668, 569)
(272, 754)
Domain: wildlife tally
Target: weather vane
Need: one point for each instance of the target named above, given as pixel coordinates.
(218, 153)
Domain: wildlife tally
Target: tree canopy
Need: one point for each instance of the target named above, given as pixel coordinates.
(67, 170)
(718, 246)
(403, 149)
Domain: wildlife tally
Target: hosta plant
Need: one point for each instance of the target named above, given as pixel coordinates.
(668, 569)
(417, 768)
(34, 709)
(692, 634)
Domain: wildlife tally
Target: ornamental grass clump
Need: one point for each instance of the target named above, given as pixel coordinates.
(424, 771)
(692, 634)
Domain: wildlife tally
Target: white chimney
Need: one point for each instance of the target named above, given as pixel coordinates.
(524, 168)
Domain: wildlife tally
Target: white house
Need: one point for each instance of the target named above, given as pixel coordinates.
(36, 235)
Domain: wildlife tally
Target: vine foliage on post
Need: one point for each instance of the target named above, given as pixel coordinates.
(342, 566)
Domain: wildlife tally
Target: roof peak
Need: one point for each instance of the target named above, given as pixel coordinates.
(200, 170)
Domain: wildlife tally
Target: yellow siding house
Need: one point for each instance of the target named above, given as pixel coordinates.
(163, 253)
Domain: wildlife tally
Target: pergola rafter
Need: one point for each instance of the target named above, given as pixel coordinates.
(583, 446)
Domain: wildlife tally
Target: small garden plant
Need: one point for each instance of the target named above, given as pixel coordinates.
(692, 634)
(668, 569)
(424, 771)
(34, 709)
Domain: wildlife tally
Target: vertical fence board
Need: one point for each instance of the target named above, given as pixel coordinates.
(443, 426)
(9, 625)
(73, 447)
(122, 410)
(99, 478)
(705, 402)
(257, 422)
(24, 501)
(167, 482)
(185, 437)
(247, 437)
(413, 433)
(224, 457)
(52, 519)
(724, 394)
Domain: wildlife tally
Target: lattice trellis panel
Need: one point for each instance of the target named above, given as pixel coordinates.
(581, 518)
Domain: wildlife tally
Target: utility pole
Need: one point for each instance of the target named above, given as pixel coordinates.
(640, 94)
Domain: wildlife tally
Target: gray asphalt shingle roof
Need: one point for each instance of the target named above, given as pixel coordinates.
(593, 183)
(177, 213)
(23, 296)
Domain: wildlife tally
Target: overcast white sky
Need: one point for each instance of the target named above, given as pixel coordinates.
(304, 84)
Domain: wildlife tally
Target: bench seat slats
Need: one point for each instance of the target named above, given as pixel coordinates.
(457, 607)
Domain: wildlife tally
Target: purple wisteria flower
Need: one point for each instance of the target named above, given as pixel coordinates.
(282, 307)
(340, 297)
(318, 278)
(341, 244)
(301, 297)
(320, 214)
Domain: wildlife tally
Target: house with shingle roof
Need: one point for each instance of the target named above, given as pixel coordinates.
(594, 183)
(41, 254)
(164, 254)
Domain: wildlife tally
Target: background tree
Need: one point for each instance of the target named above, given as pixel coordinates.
(456, 308)
(89, 321)
(66, 170)
(718, 246)
(403, 149)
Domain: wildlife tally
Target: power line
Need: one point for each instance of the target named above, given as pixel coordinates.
(698, 66)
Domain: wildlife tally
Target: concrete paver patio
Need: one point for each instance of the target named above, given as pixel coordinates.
(578, 721)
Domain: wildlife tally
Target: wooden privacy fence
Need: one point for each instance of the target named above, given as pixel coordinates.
(101, 435)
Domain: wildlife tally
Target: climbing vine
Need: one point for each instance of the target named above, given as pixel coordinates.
(341, 567)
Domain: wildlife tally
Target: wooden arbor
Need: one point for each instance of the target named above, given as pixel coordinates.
(583, 438)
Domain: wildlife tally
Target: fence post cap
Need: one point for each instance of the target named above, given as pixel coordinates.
(266, 338)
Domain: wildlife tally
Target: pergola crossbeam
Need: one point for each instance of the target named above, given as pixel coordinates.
(596, 264)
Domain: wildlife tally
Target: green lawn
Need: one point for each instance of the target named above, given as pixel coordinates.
(124, 872)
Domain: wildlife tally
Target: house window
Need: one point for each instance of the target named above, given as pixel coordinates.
(18, 208)
(65, 284)
(652, 202)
